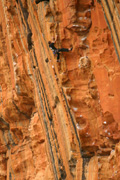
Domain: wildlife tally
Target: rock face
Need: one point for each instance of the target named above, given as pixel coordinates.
(59, 120)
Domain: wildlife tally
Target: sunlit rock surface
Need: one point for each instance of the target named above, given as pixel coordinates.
(60, 120)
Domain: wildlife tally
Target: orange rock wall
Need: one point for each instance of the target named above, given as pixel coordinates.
(111, 12)
(59, 120)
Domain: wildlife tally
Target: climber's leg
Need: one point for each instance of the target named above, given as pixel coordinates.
(58, 57)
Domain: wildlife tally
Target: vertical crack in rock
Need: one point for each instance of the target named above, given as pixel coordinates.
(29, 33)
(85, 164)
(47, 133)
(112, 23)
(72, 119)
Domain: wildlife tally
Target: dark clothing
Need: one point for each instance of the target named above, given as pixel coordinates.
(56, 51)
(51, 45)
(38, 1)
(61, 50)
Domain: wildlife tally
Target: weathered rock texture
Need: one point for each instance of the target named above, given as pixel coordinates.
(59, 120)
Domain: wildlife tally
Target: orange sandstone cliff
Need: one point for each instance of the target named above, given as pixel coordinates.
(60, 120)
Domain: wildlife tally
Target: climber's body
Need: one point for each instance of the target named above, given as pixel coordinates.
(38, 1)
(51, 45)
(57, 51)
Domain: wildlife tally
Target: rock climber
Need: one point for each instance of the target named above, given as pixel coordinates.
(38, 1)
(57, 51)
